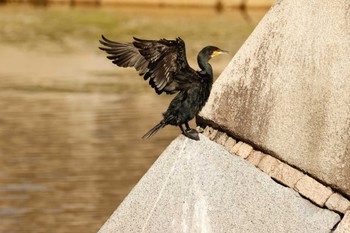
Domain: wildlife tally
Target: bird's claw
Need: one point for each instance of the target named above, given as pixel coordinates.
(191, 133)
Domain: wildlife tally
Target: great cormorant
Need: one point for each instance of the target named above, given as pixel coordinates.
(163, 62)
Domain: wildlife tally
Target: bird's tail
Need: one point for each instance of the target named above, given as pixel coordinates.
(154, 130)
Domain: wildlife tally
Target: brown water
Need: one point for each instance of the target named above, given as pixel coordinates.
(71, 123)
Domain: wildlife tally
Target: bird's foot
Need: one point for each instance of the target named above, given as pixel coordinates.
(191, 133)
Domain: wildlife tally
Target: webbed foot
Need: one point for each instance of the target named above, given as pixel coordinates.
(191, 133)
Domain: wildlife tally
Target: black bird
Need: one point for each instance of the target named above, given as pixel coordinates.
(163, 62)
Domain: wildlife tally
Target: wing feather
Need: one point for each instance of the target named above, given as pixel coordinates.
(124, 55)
(163, 61)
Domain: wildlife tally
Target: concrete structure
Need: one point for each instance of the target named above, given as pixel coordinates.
(286, 91)
(198, 186)
(344, 225)
(283, 173)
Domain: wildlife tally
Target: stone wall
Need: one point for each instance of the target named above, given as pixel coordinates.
(286, 90)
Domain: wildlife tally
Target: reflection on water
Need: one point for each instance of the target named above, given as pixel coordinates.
(70, 136)
(66, 158)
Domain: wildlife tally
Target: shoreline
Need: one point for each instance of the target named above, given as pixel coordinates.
(218, 5)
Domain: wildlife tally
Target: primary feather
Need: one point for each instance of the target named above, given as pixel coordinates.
(161, 61)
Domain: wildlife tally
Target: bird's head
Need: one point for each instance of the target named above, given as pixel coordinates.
(216, 51)
(211, 51)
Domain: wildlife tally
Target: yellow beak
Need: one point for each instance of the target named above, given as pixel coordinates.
(218, 52)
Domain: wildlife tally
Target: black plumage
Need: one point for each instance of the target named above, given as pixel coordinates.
(163, 62)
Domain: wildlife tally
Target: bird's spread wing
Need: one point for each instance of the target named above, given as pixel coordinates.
(124, 55)
(163, 61)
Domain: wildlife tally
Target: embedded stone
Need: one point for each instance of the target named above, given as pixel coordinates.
(280, 171)
(221, 138)
(244, 150)
(313, 190)
(230, 142)
(255, 157)
(338, 203)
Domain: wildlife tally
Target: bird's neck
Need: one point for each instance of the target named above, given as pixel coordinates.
(205, 66)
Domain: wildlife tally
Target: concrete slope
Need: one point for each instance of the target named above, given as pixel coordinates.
(198, 186)
(287, 89)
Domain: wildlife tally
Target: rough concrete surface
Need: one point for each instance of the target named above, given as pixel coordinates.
(344, 225)
(287, 89)
(198, 186)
